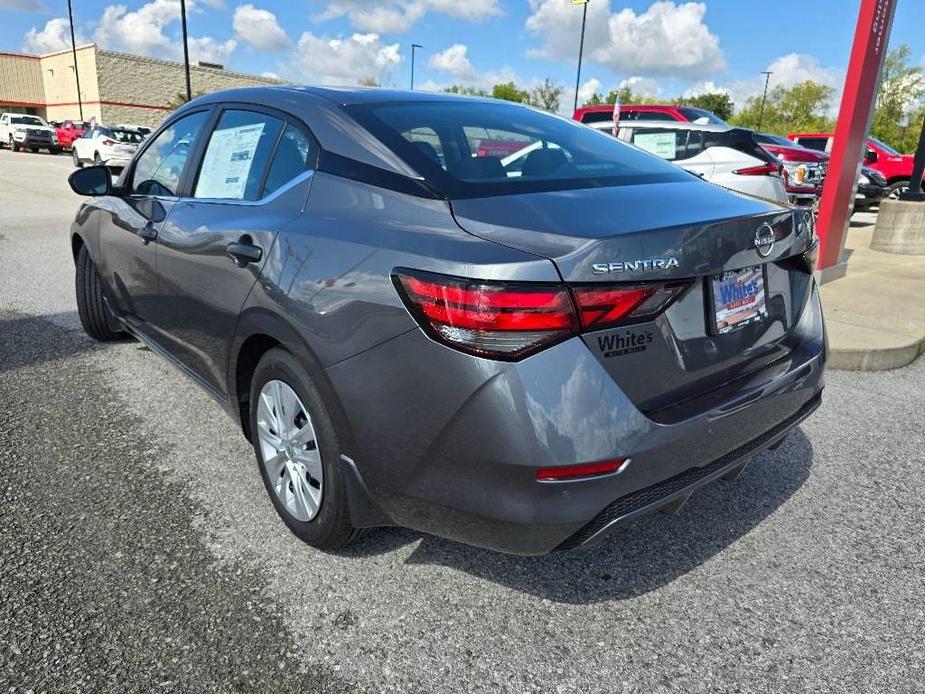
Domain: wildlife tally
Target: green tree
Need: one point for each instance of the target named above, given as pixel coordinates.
(547, 95)
(802, 107)
(718, 102)
(509, 92)
(180, 99)
(462, 89)
(899, 107)
(368, 82)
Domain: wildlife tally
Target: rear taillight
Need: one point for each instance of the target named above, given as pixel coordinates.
(601, 307)
(108, 143)
(770, 169)
(510, 320)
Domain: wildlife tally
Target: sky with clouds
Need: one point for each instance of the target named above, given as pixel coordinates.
(662, 47)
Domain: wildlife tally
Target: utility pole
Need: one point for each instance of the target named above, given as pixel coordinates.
(767, 77)
(414, 46)
(581, 45)
(189, 89)
(80, 103)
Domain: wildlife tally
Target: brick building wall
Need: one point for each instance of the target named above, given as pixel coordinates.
(21, 87)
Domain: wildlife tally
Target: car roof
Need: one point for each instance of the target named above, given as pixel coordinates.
(666, 125)
(630, 107)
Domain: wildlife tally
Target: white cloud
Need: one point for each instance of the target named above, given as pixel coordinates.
(705, 87)
(454, 61)
(259, 29)
(211, 50)
(345, 61)
(144, 31)
(645, 86)
(588, 89)
(23, 5)
(794, 68)
(55, 36)
(666, 39)
(396, 16)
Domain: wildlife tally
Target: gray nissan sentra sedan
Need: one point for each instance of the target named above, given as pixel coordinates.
(457, 315)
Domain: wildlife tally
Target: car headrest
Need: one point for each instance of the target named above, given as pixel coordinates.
(543, 162)
(477, 168)
(428, 150)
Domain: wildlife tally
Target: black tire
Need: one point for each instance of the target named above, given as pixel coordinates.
(55, 150)
(331, 528)
(94, 315)
(13, 147)
(79, 164)
(896, 187)
(97, 161)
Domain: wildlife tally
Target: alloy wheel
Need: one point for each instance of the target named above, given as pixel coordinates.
(289, 450)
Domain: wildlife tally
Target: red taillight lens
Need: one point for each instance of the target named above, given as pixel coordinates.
(602, 307)
(763, 170)
(505, 320)
(571, 472)
(108, 143)
(489, 318)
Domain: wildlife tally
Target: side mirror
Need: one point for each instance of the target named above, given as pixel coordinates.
(93, 181)
(870, 156)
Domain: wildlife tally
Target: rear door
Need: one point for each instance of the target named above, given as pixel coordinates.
(253, 176)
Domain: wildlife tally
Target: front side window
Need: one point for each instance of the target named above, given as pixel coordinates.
(498, 148)
(701, 116)
(237, 155)
(160, 167)
(885, 147)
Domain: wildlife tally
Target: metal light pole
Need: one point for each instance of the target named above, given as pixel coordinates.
(80, 103)
(581, 45)
(414, 46)
(767, 77)
(189, 89)
(915, 191)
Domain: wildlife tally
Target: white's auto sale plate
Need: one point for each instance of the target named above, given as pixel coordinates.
(738, 298)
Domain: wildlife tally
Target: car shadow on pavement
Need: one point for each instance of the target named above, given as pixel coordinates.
(27, 340)
(639, 558)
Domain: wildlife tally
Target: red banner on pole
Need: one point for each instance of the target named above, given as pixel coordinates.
(875, 19)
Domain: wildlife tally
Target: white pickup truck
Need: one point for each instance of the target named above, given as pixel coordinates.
(20, 131)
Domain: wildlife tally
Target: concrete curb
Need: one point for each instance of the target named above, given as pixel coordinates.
(883, 359)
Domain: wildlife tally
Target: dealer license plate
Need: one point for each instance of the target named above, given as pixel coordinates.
(738, 298)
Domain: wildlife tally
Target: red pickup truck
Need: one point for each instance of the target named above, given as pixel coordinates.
(68, 131)
(895, 167)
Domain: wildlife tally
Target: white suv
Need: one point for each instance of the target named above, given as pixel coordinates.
(721, 154)
(20, 131)
(104, 146)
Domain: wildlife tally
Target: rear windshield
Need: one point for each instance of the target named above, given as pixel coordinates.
(122, 135)
(699, 115)
(474, 149)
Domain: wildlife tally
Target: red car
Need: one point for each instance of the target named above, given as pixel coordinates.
(895, 167)
(69, 131)
(679, 112)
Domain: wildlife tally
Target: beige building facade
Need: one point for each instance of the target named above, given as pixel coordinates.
(114, 87)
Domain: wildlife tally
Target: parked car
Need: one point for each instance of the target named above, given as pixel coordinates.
(105, 146)
(872, 188)
(68, 131)
(896, 168)
(20, 131)
(408, 335)
(720, 154)
(804, 169)
(603, 113)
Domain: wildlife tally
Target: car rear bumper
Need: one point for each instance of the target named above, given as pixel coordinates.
(450, 445)
(117, 162)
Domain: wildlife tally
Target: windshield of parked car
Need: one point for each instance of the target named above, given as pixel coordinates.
(885, 147)
(28, 120)
(471, 149)
(702, 116)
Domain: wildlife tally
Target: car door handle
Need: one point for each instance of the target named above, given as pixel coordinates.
(244, 252)
(148, 233)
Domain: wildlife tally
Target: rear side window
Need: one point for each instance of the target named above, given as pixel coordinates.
(160, 167)
(597, 116)
(293, 155)
(642, 114)
(237, 155)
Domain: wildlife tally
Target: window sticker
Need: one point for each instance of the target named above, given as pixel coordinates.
(663, 145)
(227, 163)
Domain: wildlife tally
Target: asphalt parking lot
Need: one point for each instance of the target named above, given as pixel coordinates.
(139, 552)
